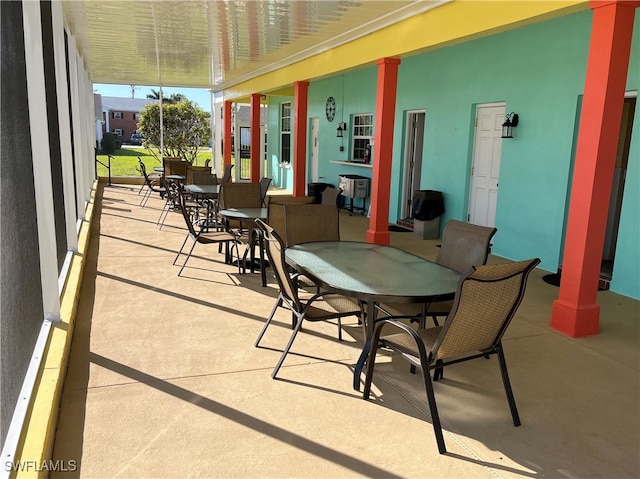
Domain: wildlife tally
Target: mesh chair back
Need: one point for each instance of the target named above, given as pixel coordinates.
(179, 198)
(241, 195)
(275, 252)
(305, 223)
(179, 168)
(226, 177)
(464, 245)
(487, 298)
(193, 169)
(172, 191)
(143, 170)
(168, 163)
(330, 196)
(264, 187)
(203, 178)
(275, 210)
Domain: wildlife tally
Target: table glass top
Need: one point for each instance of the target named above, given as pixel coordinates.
(366, 270)
(203, 189)
(244, 213)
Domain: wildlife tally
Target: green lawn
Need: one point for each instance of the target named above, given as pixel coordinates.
(125, 161)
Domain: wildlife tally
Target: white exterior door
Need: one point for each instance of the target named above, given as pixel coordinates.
(485, 171)
(315, 148)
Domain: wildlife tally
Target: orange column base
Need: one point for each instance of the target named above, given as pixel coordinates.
(575, 321)
(379, 237)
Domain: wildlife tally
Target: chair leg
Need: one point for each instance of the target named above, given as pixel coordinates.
(180, 250)
(227, 255)
(188, 256)
(145, 198)
(371, 360)
(165, 212)
(507, 386)
(433, 409)
(288, 347)
(370, 366)
(438, 372)
(339, 329)
(266, 324)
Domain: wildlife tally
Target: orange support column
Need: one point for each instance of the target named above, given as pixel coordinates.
(255, 138)
(378, 231)
(575, 312)
(301, 94)
(226, 118)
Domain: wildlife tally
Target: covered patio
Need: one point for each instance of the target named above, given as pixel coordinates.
(164, 381)
(113, 366)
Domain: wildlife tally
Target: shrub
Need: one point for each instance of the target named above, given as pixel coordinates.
(109, 143)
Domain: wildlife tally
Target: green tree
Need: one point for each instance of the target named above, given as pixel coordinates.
(173, 98)
(186, 127)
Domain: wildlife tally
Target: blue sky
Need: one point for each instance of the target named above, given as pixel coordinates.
(200, 96)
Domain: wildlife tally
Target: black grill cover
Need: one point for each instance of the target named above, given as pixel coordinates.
(316, 190)
(427, 205)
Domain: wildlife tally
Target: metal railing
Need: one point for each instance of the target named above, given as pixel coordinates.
(107, 165)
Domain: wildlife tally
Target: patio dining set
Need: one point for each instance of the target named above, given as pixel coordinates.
(392, 293)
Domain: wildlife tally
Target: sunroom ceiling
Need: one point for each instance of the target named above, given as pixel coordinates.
(218, 43)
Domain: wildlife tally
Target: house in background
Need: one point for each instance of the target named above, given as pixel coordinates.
(121, 115)
(98, 121)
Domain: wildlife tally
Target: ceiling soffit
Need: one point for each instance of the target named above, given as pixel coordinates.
(261, 45)
(211, 44)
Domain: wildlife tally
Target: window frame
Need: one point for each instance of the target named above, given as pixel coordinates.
(285, 132)
(362, 132)
(117, 115)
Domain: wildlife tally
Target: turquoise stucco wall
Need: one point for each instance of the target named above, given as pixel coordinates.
(354, 93)
(538, 71)
(536, 76)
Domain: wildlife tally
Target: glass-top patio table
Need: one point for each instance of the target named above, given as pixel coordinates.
(249, 215)
(207, 191)
(374, 274)
(202, 193)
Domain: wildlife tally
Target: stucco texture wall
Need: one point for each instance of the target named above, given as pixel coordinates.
(538, 71)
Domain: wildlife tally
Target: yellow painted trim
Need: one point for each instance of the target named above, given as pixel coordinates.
(451, 23)
(36, 443)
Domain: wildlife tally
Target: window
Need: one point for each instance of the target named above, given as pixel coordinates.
(362, 136)
(117, 115)
(136, 116)
(285, 132)
(117, 131)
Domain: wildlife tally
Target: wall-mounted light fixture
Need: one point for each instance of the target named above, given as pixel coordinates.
(511, 121)
(342, 128)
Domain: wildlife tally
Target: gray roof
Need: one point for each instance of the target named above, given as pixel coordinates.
(244, 114)
(112, 103)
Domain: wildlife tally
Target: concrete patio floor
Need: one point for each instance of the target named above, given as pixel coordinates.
(164, 381)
